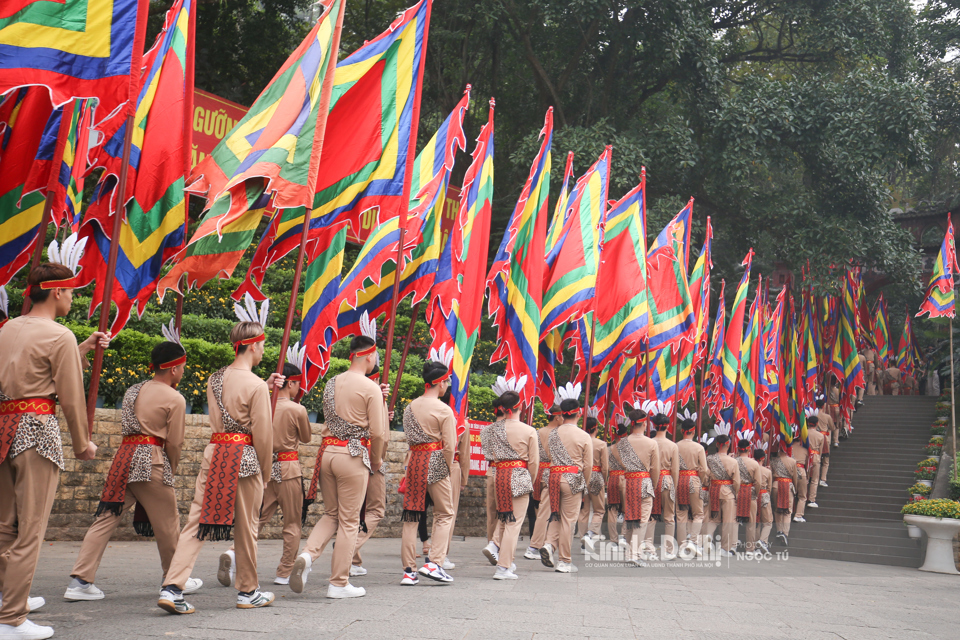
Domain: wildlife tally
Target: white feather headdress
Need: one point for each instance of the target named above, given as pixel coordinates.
(655, 407)
(746, 434)
(686, 414)
(171, 333)
(443, 355)
(569, 391)
(295, 355)
(69, 253)
(503, 385)
(368, 327)
(722, 428)
(810, 411)
(623, 421)
(706, 440)
(593, 412)
(248, 312)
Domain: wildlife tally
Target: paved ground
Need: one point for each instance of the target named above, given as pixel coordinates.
(799, 598)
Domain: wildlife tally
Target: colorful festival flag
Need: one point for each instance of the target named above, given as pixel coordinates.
(320, 296)
(734, 336)
(939, 302)
(672, 318)
(714, 382)
(700, 296)
(751, 347)
(881, 332)
(905, 349)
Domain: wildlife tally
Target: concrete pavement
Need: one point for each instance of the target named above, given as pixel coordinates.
(783, 598)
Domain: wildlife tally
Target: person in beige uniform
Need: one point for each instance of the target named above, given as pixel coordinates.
(639, 456)
(815, 446)
(153, 423)
(41, 365)
(891, 381)
(691, 479)
(785, 480)
(750, 481)
(512, 447)
(236, 465)
(665, 485)
(723, 474)
(571, 453)
(826, 426)
(616, 486)
(430, 427)
(459, 476)
(870, 370)
(374, 501)
(354, 440)
(593, 500)
(541, 485)
(764, 508)
(800, 455)
(285, 488)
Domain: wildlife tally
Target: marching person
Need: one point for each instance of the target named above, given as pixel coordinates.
(285, 488)
(616, 487)
(541, 485)
(665, 489)
(512, 447)
(236, 466)
(750, 481)
(41, 365)
(891, 381)
(800, 455)
(826, 426)
(430, 427)
(816, 445)
(571, 453)
(374, 501)
(593, 500)
(691, 479)
(870, 371)
(459, 476)
(764, 510)
(354, 440)
(637, 453)
(783, 468)
(724, 478)
(153, 424)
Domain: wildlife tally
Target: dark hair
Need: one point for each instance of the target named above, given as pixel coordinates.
(555, 409)
(721, 440)
(569, 405)
(813, 420)
(508, 400)
(43, 273)
(165, 352)
(743, 444)
(759, 454)
(622, 430)
(660, 421)
(590, 424)
(821, 402)
(688, 425)
(290, 369)
(359, 343)
(433, 371)
(636, 416)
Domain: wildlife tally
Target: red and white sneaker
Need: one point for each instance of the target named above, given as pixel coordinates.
(435, 572)
(410, 578)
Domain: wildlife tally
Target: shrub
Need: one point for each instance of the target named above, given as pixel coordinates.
(918, 488)
(933, 449)
(925, 473)
(928, 462)
(941, 508)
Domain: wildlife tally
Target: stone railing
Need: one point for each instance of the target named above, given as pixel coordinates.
(81, 483)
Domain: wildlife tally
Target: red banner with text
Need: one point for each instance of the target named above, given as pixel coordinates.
(478, 463)
(213, 118)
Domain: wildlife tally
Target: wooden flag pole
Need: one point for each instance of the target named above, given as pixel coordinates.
(110, 274)
(701, 399)
(323, 110)
(188, 86)
(953, 401)
(41, 240)
(403, 357)
(676, 394)
(588, 362)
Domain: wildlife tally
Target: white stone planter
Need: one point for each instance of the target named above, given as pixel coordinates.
(940, 533)
(913, 531)
(926, 483)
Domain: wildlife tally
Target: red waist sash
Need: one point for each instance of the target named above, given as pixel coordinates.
(10, 412)
(288, 456)
(218, 509)
(715, 492)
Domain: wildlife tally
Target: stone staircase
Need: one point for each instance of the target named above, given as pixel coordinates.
(859, 519)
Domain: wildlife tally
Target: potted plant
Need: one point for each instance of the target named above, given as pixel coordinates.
(940, 520)
(933, 450)
(920, 490)
(925, 475)
(938, 430)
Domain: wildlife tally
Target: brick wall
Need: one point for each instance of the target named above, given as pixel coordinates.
(81, 483)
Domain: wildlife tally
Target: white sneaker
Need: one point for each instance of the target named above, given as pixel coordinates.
(35, 603)
(566, 567)
(174, 603)
(255, 600)
(836, 444)
(193, 585)
(227, 569)
(812, 505)
(799, 519)
(410, 577)
(548, 557)
(301, 569)
(357, 570)
(26, 631)
(492, 552)
(279, 580)
(532, 554)
(723, 553)
(448, 566)
(623, 544)
(589, 543)
(435, 572)
(504, 574)
(78, 591)
(823, 483)
(348, 591)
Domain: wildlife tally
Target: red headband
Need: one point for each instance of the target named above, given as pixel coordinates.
(296, 378)
(436, 382)
(69, 283)
(365, 352)
(175, 362)
(247, 341)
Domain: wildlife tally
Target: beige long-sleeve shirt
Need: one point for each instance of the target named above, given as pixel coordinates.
(753, 470)
(579, 447)
(161, 411)
(600, 457)
(669, 456)
(649, 453)
(523, 439)
(39, 358)
(291, 426)
(439, 423)
(730, 465)
(359, 401)
(246, 399)
(694, 457)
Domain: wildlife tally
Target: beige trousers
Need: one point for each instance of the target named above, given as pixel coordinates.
(343, 483)
(668, 517)
(727, 519)
(824, 465)
(491, 502)
(507, 533)
(636, 534)
(539, 537)
(751, 526)
(288, 495)
(455, 472)
(376, 508)
(813, 475)
(442, 495)
(28, 484)
(160, 503)
(801, 504)
(586, 521)
(690, 521)
(245, 525)
(765, 520)
(782, 520)
(560, 532)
